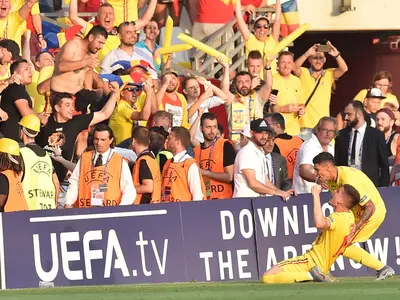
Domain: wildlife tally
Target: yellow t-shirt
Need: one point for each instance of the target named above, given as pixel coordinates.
(389, 98)
(330, 243)
(124, 10)
(120, 120)
(112, 43)
(290, 91)
(17, 4)
(319, 104)
(265, 49)
(367, 190)
(10, 27)
(31, 88)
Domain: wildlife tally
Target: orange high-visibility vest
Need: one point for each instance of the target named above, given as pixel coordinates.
(175, 179)
(289, 149)
(155, 173)
(16, 199)
(90, 176)
(212, 159)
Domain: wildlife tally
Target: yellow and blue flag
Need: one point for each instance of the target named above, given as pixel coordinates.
(290, 20)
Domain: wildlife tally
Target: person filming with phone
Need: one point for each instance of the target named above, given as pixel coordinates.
(287, 96)
(317, 83)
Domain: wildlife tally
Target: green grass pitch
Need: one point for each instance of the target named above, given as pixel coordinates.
(346, 288)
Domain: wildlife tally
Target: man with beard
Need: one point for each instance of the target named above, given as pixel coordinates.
(385, 119)
(127, 51)
(216, 157)
(317, 85)
(76, 58)
(289, 101)
(247, 104)
(106, 19)
(170, 100)
(361, 146)
(250, 171)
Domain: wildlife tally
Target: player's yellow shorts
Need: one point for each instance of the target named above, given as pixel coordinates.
(369, 228)
(302, 263)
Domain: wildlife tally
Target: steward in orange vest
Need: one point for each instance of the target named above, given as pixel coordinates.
(216, 157)
(146, 172)
(181, 177)
(286, 145)
(11, 193)
(101, 177)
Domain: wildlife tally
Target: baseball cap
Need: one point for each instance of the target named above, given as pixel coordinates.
(259, 125)
(387, 111)
(11, 46)
(246, 131)
(262, 17)
(375, 93)
(171, 71)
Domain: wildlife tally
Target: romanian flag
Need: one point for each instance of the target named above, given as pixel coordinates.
(290, 17)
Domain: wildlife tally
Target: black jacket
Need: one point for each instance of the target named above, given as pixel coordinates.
(374, 154)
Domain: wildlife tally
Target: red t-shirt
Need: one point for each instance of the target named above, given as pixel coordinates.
(214, 11)
(255, 3)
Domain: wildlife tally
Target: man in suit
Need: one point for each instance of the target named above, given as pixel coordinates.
(361, 146)
(276, 165)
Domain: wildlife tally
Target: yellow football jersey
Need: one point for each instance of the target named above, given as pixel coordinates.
(331, 243)
(367, 190)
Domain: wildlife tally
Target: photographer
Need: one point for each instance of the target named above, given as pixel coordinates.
(317, 83)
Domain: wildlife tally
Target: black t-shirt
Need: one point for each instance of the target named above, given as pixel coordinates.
(14, 92)
(64, 135)
(145, 173)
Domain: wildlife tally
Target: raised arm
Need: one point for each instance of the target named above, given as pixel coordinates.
(320, 221)
(141, 23)
(276, 27)
(243, 27)
(26, 9)
(108, 109)
(342, 66)
(73, 16)
(265, 89)
(225, 81)
(300, 61)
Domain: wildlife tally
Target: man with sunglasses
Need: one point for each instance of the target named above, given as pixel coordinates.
(317, 85)
(263, 39)
(106, 18)
(127, 113)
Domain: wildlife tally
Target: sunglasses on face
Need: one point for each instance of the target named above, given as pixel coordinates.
(258, 26)
(133, 89)
(127, 23)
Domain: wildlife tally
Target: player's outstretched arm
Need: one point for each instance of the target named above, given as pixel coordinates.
(320, 221)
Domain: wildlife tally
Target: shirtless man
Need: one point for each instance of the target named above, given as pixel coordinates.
(75, 59)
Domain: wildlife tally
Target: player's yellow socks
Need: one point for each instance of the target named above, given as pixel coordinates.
(363, 257)
(287, 277)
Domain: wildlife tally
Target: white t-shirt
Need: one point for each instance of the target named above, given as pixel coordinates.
(209, 103)
(118, 54)
(305, 156)
(249, 157)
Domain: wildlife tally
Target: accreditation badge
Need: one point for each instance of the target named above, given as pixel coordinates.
(97, 196)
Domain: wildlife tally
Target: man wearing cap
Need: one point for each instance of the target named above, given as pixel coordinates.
(385, 119)
(361, 146)
(250, 171)
(170, 100)
(127, 112)
(372, 103)
(11, 193)
(39, 180)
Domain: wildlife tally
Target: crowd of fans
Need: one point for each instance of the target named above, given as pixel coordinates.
(99, 123)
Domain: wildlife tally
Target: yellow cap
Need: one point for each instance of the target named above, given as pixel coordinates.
(9, 146)
(31, 122)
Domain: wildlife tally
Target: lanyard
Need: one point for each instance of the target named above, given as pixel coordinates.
(106, 165)
(209, 155)
(176, 165)
(357, 163)
(387, 140)
(271, 171)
